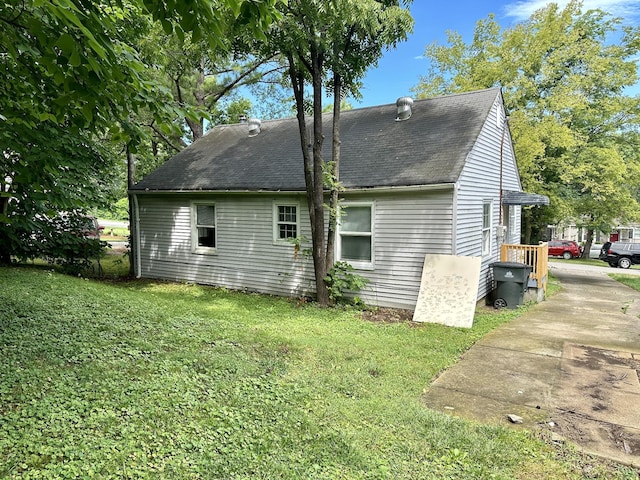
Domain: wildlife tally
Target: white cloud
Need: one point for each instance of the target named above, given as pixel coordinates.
(628, 9)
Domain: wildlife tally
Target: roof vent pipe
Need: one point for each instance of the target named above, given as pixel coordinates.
(243, 119)
(254, 127)
(404, 105)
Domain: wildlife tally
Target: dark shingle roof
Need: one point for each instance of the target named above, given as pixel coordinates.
(376, 151)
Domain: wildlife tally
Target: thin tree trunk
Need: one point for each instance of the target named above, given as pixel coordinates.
(310, 163)
(317, 230)
(131, 175)
(588, 243)
(297, 80)
(196, 127)
(527, 227)
(5, 255)
(335, 172)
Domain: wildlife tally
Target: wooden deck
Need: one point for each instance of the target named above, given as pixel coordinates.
(536, 256)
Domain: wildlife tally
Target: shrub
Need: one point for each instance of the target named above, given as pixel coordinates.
(65, 240)
(340, 279)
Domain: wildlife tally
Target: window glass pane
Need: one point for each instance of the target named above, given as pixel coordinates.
(486, 215)
(287, 213)
(356, 219)
(287, 231)
(206, 237)
(356, 248)
(205, 215)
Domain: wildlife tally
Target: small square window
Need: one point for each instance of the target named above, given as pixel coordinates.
(286, 224)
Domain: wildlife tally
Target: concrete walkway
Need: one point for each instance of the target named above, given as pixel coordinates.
(570, 364)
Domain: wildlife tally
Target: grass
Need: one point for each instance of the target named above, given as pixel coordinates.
(632, 281)
(158, 380)
(115, 234)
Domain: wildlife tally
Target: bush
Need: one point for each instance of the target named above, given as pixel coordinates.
(65, 240)
(340, 279)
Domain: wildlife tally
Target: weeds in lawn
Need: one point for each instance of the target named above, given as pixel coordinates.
(146, 379)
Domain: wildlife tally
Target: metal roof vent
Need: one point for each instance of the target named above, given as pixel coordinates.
(404, 105)
(254, 126)
(243, 119)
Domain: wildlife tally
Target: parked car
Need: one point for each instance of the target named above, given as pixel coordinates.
(595, 250)
(91, 228)
(566, 249)
(620, 254)
(85, 226)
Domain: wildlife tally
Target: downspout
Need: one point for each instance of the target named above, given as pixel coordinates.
(454, 220)
(501, 230)
(136, 236)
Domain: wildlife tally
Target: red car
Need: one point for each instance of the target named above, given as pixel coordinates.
(566, 249)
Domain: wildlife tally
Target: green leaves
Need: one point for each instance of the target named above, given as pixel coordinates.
(564, 73)
(72, 71)
(341, 279)
(330, 45)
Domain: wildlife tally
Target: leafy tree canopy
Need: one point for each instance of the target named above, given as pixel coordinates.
(72, 59)
(564, 74)
(330, 44)
(72, 76)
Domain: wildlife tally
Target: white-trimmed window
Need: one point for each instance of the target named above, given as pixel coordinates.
(203, 227)
(486, 228)
(286, 222)
(510, 222)
(355, 234)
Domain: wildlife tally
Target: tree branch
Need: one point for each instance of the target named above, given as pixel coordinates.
(238, 81)
(167, 140)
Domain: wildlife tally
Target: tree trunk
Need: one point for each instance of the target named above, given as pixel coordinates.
(527, 227)
(588, 243)
(335, 172)
(5, 255)
(317, 228)
(131, 175)
(196, 126)
(312, 163)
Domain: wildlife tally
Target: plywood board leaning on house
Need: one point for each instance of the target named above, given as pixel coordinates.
(448, 290)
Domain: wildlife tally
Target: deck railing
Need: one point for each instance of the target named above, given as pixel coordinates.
(536, 256)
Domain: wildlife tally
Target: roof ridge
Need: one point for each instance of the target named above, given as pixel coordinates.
(368, 107)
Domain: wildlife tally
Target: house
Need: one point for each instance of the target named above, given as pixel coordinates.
(433, 176)
(568, 230)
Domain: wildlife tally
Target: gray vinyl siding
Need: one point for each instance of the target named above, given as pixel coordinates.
(246, 256)
(479, 182)
(406, 227)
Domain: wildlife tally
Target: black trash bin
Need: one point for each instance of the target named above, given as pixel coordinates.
(511, 282)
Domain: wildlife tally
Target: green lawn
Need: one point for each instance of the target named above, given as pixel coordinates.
(632, 281)
(156, 380)
(115, 234)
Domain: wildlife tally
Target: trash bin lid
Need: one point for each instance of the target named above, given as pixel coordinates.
(511, 265)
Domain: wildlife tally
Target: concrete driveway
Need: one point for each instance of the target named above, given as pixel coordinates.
(570, 364)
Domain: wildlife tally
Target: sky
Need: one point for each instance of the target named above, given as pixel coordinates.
(400, 69)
